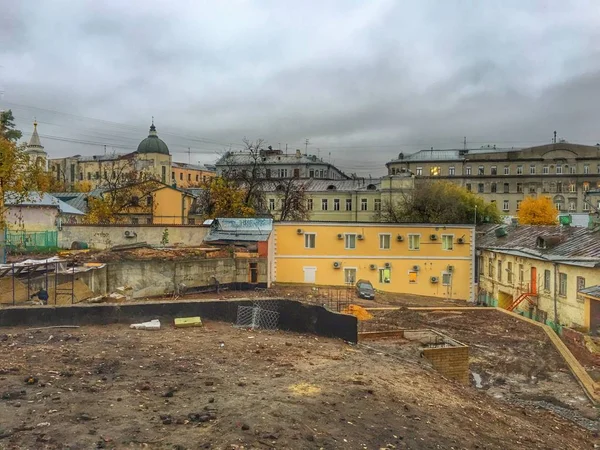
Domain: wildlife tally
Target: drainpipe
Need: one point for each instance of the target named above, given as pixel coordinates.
(555, 294)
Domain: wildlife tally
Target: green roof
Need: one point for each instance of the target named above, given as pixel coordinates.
(153, 144)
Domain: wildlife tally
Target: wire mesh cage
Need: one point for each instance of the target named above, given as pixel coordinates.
(256, 317)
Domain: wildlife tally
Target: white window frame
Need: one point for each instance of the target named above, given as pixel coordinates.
(347, 270)
(309, 204)
(419, 172)
(468, 170)
(364, 204)
(272, 204)
(324, 202)
(586, 169)
(314, 240)
(346, 241)
(451, 171)
(336, 204)
(380, 272)
(416, 277)
(449, 274)
(506, 205)
(545, 170)
(506, 170)
(389, 243)
(559, 170)
(532, 169)
(451, 236)
(348, 204)
(377, 204)
(519, 170)
(411, 246)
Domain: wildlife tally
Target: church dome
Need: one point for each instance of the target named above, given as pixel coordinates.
(153, 144)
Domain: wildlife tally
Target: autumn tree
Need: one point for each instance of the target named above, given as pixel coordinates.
(439, 202)
(292, 198)
(7, 127)
(221, 197)
(537, 211)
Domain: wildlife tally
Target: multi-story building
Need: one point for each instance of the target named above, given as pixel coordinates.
(355, 200)
(562, 171)
(430, 260)
(190, 175)
(540, 271)
(273, 164)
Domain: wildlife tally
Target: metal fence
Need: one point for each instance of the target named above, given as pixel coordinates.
(30, 241)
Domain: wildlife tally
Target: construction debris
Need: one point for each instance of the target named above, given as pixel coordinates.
(151, 325)
(184, 322)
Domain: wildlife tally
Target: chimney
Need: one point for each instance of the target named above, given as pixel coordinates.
(298, 153)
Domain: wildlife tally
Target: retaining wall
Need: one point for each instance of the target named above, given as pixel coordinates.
(293, 315)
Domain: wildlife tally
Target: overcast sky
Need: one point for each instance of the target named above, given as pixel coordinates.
(361, 80)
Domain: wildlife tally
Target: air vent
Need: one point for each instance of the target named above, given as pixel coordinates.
(433, 237)
(415, 268)
(387, 265)
(340, 236)
(360, 237)
(299, 231)
(460, 240)
(450, 269)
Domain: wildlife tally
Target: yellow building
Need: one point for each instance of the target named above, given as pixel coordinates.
(539, 271)
(189, 175)
(430, 260)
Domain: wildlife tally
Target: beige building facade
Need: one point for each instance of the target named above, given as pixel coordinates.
(563, 172)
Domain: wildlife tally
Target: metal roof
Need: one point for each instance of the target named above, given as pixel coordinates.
(592, 291)
(360, 184)
(76, 199)
(191, 166)
(244, 229)
(568, 245)
(453, 154)
(37, 199)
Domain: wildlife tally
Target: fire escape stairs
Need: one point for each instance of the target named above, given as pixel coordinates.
(530, 296)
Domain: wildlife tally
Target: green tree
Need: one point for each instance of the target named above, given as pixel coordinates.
(440, 202)
(7, 127)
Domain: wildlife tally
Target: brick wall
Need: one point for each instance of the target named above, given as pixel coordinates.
(452, 362)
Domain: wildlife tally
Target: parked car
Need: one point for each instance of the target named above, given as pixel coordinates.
(364, 289)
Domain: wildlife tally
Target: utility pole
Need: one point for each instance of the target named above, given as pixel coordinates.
(465, 143)
(189, 155)
(554, 140)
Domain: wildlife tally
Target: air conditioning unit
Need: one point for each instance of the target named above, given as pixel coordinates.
(130, 234)
(399, 238)
(460, 240)
(450, 269)
(299, 231)
(373, 266)
(415, 268)
(433, 237)
(434, 279)
(360, 237)
(340, 236)
(337, 265)
(387, 265)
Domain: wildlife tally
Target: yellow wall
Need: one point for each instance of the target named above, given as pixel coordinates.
(187, 177)
(291, 256)
(171, 206)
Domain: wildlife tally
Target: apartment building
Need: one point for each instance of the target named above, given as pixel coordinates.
(428, 260)
(355, 200)
(562, 171)
(541, 271)
(190, 175)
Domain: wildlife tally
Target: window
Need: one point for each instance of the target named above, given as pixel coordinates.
(506, 170)
(268, 173)
(80, 176)
(598, 169)
(532, 189)
(573, 205)
(559, 186)
(491, 268)
(97, 175)
(324, 204)
(282, 173)
(572, 187)
(350, 241)
(349, 275)
(149, 200)
(520, 188)
(377, 204)
(385, 275)
(494, 170)
(562, 284)
(311, 173)
(586, 169)
(480, 188)
(149, 221)
(559, 170)
(419, 171)
(468, 170)
(546, 280)
(321, 173)
(505, 205)
(532, 169)
(336, 204)
(197, 177)
(586, 186)
(446, 279)
(500, 271)
(580, 283)
(309, 240)
(519, 170)
(414, 241)
(363, 204)
(468, 187)
(189, 177)
(296, 173)
(506, 188)
(521, 273)
(384, 241)
(272, 204)
(480, 170)
(89, 175)
(573, 170)
(509, 271)
(586, 206)
(519, 204)
(451, 171)
(348, 204)
(481, 268)
(181, 176)
(493, 187)
(435, 171)
(135, 221)
(447, 242)
(412, 277)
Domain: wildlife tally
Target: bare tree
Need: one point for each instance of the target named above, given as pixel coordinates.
(293, 199)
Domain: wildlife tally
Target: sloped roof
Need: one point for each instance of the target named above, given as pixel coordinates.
(76, 199)
(592, 291)
(37, 199)
(568, 245)
(191, 166)
(243, 229)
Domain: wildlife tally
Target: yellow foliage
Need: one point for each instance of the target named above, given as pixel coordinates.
(537, 211)
(82, 186)
(226, 200)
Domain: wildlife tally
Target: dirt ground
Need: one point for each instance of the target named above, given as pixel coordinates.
(509, 359)
(224, 388)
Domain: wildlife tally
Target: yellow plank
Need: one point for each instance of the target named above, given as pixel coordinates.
(184, 322)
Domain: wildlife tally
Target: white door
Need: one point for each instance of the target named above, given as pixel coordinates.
(310, 274)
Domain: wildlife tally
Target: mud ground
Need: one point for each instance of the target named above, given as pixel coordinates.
(220, 387)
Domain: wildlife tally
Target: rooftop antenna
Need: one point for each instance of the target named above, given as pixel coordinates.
(306, 146)
(286, 149)
(554, 140)
(104, 149)
(189, 152)
(279, 146)
(465, 143)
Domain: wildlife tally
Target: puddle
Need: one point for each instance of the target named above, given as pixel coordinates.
(477, 379)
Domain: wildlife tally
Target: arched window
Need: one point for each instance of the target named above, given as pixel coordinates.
(371, 187)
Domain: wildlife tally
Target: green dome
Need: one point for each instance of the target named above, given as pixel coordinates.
(153, 144)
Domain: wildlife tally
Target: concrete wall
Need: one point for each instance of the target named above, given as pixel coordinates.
(102, 237)
(31, 218)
